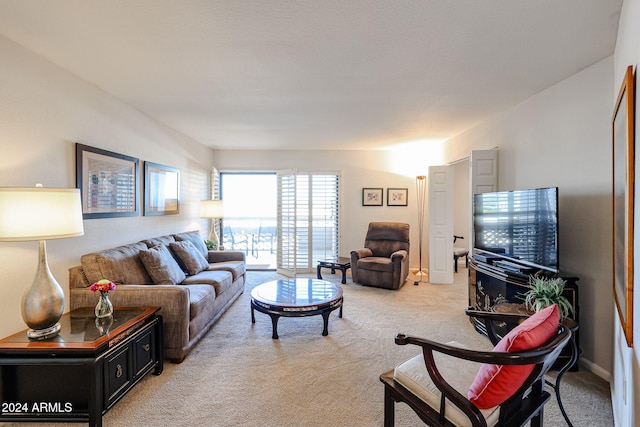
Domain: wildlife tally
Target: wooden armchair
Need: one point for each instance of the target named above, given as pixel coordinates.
(435, 385)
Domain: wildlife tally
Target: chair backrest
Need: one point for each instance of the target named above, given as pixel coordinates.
(385, 238)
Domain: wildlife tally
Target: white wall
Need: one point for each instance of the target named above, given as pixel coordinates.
(561, 137)
(377, 169)
(625, 382)
(44, 111)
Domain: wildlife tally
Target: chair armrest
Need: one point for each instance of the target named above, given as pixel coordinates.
(361, 253)
(401, 254)
(222, 256)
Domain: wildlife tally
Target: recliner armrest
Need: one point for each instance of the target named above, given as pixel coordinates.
(402, 254)
(362, 253)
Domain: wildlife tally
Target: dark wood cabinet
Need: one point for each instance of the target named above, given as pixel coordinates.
(490, 285)
(81, 373)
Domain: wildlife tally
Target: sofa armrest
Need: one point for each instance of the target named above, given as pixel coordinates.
(173, 301)
(222, 256)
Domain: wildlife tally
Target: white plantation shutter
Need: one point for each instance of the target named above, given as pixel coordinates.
(308, 219)
(286, 254)
(325, 188)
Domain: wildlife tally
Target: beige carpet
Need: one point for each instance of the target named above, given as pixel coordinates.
(238, 376)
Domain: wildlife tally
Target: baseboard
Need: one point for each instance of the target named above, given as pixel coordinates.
(595, 369)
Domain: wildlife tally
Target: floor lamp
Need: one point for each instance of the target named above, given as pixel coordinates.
(39, 214)
(421, 189)
(212, 209)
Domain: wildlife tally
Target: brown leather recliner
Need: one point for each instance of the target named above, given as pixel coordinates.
(384, 260)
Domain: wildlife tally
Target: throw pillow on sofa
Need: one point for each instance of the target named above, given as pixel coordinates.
(192, 260)
(161, 266)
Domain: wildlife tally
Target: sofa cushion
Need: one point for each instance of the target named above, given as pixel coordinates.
(237, 268)
(220, 280)
(162, 240)
(195, 238)
(189, 257)
(121, 265)
(200, 296)
(163, 269)
(495, 383)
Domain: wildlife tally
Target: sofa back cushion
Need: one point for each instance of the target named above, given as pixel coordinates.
(161, 266)
(195, 239)
(121, 265)
(162, 240)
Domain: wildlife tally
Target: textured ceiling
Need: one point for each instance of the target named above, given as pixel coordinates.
(317, 74)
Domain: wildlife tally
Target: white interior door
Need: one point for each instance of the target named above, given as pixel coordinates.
(441, 224)
(483, 178)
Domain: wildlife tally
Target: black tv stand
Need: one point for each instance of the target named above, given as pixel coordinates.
(490, 285)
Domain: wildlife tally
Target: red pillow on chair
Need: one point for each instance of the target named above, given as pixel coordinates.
(496, 383)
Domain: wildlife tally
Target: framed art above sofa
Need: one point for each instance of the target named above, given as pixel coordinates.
(109, 183)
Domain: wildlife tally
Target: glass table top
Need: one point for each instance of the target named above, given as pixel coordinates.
(297, 292)
(81, 329)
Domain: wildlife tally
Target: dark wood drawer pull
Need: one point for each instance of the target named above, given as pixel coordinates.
(119, 371)
(146, 347)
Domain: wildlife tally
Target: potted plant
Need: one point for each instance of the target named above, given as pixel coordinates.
(546, 291)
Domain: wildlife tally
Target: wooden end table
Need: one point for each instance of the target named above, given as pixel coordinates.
(82, 372)
(340, 263)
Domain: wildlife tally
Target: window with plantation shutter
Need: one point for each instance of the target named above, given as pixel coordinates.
(308, 219)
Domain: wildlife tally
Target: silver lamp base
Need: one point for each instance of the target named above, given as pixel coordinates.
(43, 334)
(43, 303)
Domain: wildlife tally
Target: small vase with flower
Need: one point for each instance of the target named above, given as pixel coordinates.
(104, 308)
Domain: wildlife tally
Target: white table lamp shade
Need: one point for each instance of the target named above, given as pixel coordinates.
(40, 214)
(211, 209)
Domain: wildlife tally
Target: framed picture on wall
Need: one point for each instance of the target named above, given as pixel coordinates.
(623, 209)
(397, 196)
(372, 197)
(161, 190)
(109, 183)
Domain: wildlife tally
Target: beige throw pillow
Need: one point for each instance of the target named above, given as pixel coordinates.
(163, 269)
(192, 260)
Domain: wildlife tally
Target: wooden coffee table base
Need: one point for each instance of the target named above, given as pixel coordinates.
(296, 298)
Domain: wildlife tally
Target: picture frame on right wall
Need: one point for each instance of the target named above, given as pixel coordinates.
(397, 196)
(623, 141)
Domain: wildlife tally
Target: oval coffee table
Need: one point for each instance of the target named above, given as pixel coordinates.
(296, 298)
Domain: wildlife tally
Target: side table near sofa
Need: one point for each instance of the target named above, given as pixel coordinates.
(82, 372)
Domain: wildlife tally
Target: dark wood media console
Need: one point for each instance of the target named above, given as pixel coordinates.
(490, 285)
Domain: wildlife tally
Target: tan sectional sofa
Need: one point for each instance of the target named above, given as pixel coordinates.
(192, 286)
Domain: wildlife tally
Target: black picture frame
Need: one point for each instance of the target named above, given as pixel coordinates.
(109, 183)
(397, 196)
(372, 196)
(161, 189)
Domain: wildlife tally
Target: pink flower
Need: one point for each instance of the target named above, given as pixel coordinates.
(103, 285)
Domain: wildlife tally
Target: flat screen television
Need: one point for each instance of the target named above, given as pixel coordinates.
(520, 226)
